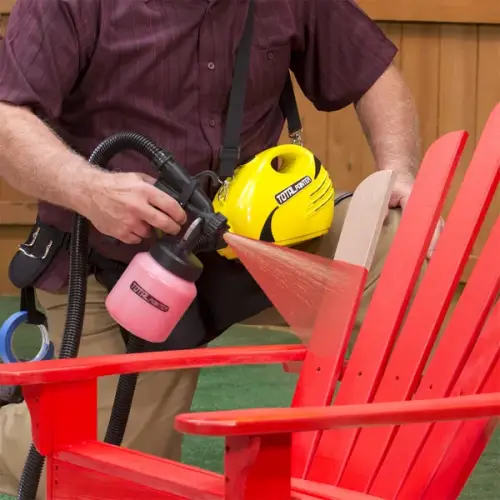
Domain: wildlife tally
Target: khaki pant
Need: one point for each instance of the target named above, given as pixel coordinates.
(159, 396)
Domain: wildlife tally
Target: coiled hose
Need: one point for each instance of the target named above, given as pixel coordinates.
(77, 291)
(124, 395)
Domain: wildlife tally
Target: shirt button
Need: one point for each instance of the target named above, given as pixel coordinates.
(211, 65)
(270, 55)
(212, 123)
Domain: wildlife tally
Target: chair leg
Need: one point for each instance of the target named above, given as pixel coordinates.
(258, 466)
(62, 414)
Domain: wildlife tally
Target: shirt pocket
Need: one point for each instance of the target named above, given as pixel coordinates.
(271, 52)
(274, 24)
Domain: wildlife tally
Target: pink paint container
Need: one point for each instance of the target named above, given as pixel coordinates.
(155, 291)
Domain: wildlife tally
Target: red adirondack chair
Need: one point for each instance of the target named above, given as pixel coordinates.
(411, 416)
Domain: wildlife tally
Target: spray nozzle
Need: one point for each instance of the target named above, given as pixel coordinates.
(177, 255)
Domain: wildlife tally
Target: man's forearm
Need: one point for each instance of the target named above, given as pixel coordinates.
(388, 115)
(36, 162)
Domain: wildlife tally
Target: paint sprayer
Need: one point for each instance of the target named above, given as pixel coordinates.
(285, 206)
(158, 286)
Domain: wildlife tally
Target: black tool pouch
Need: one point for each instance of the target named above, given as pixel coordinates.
(46, 249)
(107, 272)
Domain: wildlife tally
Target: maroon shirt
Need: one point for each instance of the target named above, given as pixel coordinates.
(163, 68)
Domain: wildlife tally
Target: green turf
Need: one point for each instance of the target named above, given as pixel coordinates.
(260, 386)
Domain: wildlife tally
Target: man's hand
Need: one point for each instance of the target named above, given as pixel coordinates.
(127, 206)
(401, 191)
(388, 115)
(399, 199)
(123, 205)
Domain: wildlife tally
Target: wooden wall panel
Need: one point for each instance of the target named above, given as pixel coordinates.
(348, 154)
(437, 11)
(458, 74)
(488, 95)
(458, 71)
(6, 6)
(17, 211)
(349, 159)
(420, 57)
(453, 70)
(15, 207)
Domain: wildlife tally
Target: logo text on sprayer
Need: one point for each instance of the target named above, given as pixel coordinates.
(291, 191)
(147, 297)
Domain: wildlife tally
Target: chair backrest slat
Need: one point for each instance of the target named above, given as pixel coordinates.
(453, 351)
(336, 313)
(408, 359)
(461, 443)
(391, 298)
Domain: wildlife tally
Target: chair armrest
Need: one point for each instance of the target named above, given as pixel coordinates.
(290, 420)
(70, 370)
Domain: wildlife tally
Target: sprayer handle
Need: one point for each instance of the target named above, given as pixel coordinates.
(193, 209)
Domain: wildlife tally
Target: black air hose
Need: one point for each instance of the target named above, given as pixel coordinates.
(77, 291)
(124, 395)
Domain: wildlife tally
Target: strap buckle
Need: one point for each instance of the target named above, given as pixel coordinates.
(230, 154)
(229, 158)
(297, 138)
(222, 193)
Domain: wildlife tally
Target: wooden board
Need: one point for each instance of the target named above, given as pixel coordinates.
(451, 68)
(14, 213)
(439, 11)
(442, 11)
(487, 96)
(6, 6)
(17, 211)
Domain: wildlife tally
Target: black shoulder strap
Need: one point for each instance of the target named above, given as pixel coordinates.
(288, 105)
(230, 152)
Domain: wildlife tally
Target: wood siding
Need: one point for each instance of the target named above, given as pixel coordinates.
(453, 71)
(452, 67)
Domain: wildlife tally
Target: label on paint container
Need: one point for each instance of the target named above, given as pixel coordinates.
(147, 297)
(291, 191)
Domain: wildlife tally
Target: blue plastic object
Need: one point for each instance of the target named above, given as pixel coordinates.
(7, 331)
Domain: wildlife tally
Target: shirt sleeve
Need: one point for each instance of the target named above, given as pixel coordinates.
(342, 54)
(43, 53)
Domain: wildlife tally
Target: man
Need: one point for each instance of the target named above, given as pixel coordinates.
(74, 72)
